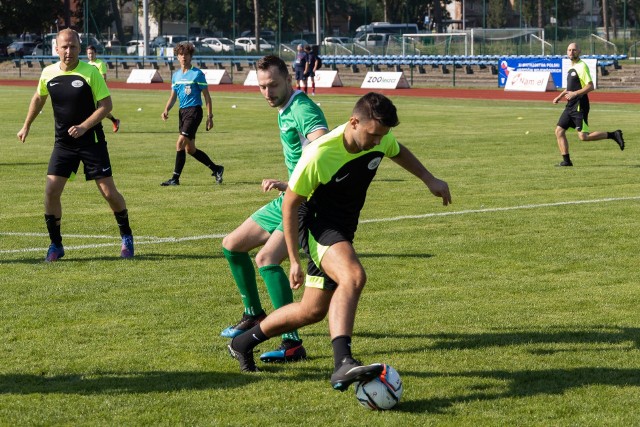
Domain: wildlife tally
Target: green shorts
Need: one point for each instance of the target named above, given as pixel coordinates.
(269, 217)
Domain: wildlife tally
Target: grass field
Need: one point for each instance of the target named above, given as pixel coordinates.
(516, 305)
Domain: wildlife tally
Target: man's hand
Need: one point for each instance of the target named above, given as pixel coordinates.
(439, 188)
(273, 184)
(23, 133)
(296, 275)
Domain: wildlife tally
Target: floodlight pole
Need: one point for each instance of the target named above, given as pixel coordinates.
(318, 22)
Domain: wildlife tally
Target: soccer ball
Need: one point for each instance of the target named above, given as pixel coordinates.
(382, 392)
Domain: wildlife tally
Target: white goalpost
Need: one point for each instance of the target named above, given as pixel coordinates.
(437, 44)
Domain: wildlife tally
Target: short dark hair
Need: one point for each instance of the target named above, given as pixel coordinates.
(266, 62)
(375, 106)
(91, 47)
(185, 48)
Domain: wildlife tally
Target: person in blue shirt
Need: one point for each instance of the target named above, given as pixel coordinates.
(189, 84)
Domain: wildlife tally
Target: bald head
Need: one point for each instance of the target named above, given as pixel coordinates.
(573, 52)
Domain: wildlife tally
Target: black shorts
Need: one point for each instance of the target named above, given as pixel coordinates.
(310, 74)
(299, 74)
(189, 120)
(574, 119)
(65, 160)
(316, 236)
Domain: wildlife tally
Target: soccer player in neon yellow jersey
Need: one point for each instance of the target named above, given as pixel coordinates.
(576, 112)
(300, 120)
(321, 208)
(102, 67)
(80, 100)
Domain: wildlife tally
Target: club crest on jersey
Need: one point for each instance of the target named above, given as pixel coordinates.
(77, 83)
(187, 90)
(373, 164)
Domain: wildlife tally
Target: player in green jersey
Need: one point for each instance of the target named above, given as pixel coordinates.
(80, 100)
(300, 120)
(321, 207)
(102, 67)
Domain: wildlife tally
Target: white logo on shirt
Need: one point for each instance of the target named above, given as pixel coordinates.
(77, 83)
(53, 84)
(341, 178)
(374, 163)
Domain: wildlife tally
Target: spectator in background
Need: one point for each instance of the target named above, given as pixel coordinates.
(102, 67)
(310, 70)
(299, 66)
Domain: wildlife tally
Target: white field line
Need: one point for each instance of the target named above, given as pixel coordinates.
(151, 240)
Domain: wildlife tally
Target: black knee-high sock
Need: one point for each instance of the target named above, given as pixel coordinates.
(247, 341)
(341, 349)
(181, 158)
(53, 227)
(202, 157)
(122, 218)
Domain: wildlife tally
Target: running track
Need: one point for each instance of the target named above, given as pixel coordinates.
(452, 93)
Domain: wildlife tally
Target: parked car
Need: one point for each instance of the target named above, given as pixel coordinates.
(332, 41)
(134, 47)
(19, 49)
(168, 40)
(220, 44)
(248, 44)
(294, 43)
(268, 35)
(373, 39)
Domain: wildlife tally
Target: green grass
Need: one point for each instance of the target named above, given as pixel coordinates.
(509, 307)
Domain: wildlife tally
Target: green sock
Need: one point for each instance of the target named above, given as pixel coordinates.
(279, 290)
(245, 277)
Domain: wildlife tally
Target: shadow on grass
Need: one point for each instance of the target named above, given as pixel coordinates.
(521, 384)
(24, 164)
(137, 382)
(554, 336)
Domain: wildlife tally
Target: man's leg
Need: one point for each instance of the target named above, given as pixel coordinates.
(312, 308)
(600, 135)
(202, 157)
(181, 158)
(341, 263)
(118, 205)
(563, 146)
(53, 215)
(268, 260)
(236, 247)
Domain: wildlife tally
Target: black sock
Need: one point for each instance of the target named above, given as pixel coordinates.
(122, 218)
(566, 158)
(610, 135)
(341, 349)
(247, 341)
(181, 158)
(202, 157)
(53, 227)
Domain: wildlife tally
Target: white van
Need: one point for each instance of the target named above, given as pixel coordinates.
(385, 27)
(373, 39)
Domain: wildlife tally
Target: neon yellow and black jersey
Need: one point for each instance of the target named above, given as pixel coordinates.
(74, 95)
(578, 77)
(335, 181)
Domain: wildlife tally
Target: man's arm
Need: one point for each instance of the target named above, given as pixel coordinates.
(290, 205)
(559, 97)
(585, 90)
(103, 107)
(170, 102)
(276, 184)
(408, 161)
(207, 103)
(35, 106)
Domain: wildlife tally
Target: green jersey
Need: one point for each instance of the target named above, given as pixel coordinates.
(100, 65)
(297, 119)
(335, 181)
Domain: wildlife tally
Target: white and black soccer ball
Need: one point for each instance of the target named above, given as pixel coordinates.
(382, 392)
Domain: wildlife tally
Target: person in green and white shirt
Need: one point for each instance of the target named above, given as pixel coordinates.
(300, 121)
